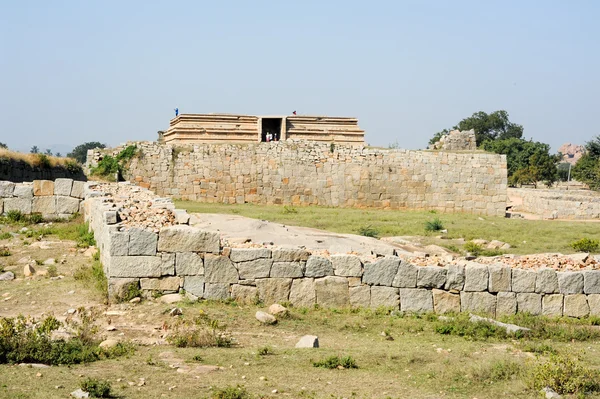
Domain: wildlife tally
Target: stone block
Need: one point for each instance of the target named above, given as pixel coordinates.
(119, 287)
(142, 242)
(135, 266)
(417, 300)
(478, 302)
(244, 294)
(43, 188)
(576, 305)
(287, 269)
(303, 292)
(164, 284)
(248, 254)
(118, 243)
(68, 205)
(455, 278)
(500, 278)
(570, 282)
(506, 303)
(167, 264)
(108, 217)
(406, 276)
(274, 290)
(23, 191)
(360, 296)
(188, 264)
(381, 272)
(552, 305)
(44, 205)
(332, 291)
(445, 302)
(290, 255)
(317, 266)
(183, 238)
(219, 269)
(476, 277)
(384, 296)
(181, 216)
(591, 281)
(594, 304)
(63, 187)
(431, 277)
(257, 268)
(22, 205)
(194, 285)
(523, 280)
(217, 291)
(346, 265)
(77, 189)
(6, 189)
(1, 206)
(529, 303)
(546, 281)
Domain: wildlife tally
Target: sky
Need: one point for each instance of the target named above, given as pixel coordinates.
(113, 71)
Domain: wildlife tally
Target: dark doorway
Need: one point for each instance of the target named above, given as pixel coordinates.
(271, 129)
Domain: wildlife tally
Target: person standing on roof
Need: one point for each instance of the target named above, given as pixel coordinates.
(176, 111)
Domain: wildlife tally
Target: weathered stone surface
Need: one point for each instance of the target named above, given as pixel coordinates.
(445, 302)
(332, 291)
(194, 285)
(591, 281)
(360, 296)
(119, 287)
(576, 305)
(216, 291)
(479, 302)
(6, 189)
(43, 187)
(552, 305)
(570, 282)
(22, 191)
(77, 189)
(381, 272)
(406, 276)
(109, 217)
(171, 298)
(265, 318)
(308, 341)
(67, 205)
(273, 290)
(594, 304)
(303, 292)
(7, 276)
(318, 266)
(346, 265)
(289, 255)
(500, 278)
(182, 238)
(119, 243)
(244, 294)
(168, 264)
(22, 205)
(431, 277)
(417, 300)
(142, 242)
(248, 254)
(257, 268)
(506, 303)
(135, 266)
(523, 280)
(63, 186)
(171, 284)
(476, 277)
(188, 264)
(44, 205)
(385, 296)
(546, 281)
(219, 269)
(278, 310)
(287, 269)
(455, 278)
(529, 303)
(181, 216)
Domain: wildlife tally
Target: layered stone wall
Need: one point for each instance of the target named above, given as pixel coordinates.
(21, 171)
(58, 199)
(557, 203)
(181, 257)
(304, 173)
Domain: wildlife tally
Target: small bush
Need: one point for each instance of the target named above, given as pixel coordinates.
(15, 216)
(85, 237)
(288, 209)
(335, 362)
(539, 348)
(585, 245)
(434, 225)
(131, 291)
(96, 388)
(42, 161)
(463, 327)
(201, 332)
(4, 251)
(565, 375)
(52, 271)
(474, 249)
(5, 236)
(72, 167)
(265, 351)
(368, 231)
(107, 167)
(237, 392)
(498, 371)
(35, 218)
(94, 276)
(127, 153)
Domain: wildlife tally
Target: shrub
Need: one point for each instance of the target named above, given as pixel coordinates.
(265, 351)
(237, 392)
(96, 388)
(52, 271)
(463, 327)
(4, 251)
(434, 225)
(107, 167)
(287, 209)
(335, 362)
(94, 276)
(498, 371)
(127, 153)
(5, 236)
(201, 332)
(35, 218)
(565, 375)
(368, 231)
(85, 237)
(131, 291)
(539, 348)
(42, 161)
(585, 245)
(15, 216)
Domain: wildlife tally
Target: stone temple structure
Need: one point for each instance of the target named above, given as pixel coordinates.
(230, 128)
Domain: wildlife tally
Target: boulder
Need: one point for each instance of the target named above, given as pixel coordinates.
(171, 298)
(308, 341)
(278, 310)
(119, 287)
(265, 318)
(28, 270)
(108, 343)
(7, 276)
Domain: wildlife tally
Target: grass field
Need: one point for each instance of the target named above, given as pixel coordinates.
(525, 236)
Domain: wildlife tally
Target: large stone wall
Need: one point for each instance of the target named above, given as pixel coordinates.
(21, 171)
(556, 203)
(177, 257)
(304, 173)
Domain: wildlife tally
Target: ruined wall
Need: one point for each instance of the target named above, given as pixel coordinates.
(305, 173)
(21, 171)
(553, 204)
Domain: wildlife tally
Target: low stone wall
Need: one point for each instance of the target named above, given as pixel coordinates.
(180, 256)
(21, 171)
(57, 199)
(553, 204)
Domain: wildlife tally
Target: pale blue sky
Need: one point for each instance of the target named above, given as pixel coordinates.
(112, 71)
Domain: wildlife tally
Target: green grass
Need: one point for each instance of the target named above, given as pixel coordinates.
(525, 236)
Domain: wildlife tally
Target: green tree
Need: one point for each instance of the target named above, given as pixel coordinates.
(2, 145)
(587, 169)
(48, 151)
(494, 126)
(58, 154)
(79, 153)
(34, 149)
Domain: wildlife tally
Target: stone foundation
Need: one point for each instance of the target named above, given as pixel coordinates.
(556, 204)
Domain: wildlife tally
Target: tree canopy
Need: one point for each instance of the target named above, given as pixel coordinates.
(494, 126)
(79, 153)
(2, 145)
(34, 149)
(587, 169)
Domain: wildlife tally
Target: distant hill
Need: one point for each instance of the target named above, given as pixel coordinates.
(571, 152)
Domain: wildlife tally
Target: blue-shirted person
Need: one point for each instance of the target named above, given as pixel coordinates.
(176, 111)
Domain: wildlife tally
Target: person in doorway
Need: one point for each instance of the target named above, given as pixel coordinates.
(176, 111)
